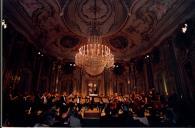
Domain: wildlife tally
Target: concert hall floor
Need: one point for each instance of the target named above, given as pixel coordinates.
(110, 122)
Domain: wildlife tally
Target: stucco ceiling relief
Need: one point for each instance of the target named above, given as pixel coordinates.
(30, 5)
(110, 16)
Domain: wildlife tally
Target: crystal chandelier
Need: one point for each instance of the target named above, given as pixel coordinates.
(94, 56)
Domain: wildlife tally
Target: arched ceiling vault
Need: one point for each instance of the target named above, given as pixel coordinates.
(129, 27)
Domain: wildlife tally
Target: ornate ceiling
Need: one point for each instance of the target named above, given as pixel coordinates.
(130, 27)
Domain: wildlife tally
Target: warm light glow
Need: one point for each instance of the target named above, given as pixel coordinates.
(165, 84)
(94, 56)
(147, 56)
(3, 23)
(128, 81)
(184, 29)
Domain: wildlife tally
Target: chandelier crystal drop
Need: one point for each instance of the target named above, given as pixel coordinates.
(94, 56)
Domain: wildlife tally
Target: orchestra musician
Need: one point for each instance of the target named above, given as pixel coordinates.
(78, 102)
(63, 102)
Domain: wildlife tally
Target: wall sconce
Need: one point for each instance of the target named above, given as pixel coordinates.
(128, 81)
(15, 78)
(3, 24)
(184, 28)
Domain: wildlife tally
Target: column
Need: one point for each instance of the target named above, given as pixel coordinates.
(175, 67)
(149, 71)
(134, 77)
(39, 63)
(105, 82)
(57, 81)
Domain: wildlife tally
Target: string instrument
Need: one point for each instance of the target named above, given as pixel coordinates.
(113, 105)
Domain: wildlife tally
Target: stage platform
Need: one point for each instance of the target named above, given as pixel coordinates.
(91, 114)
